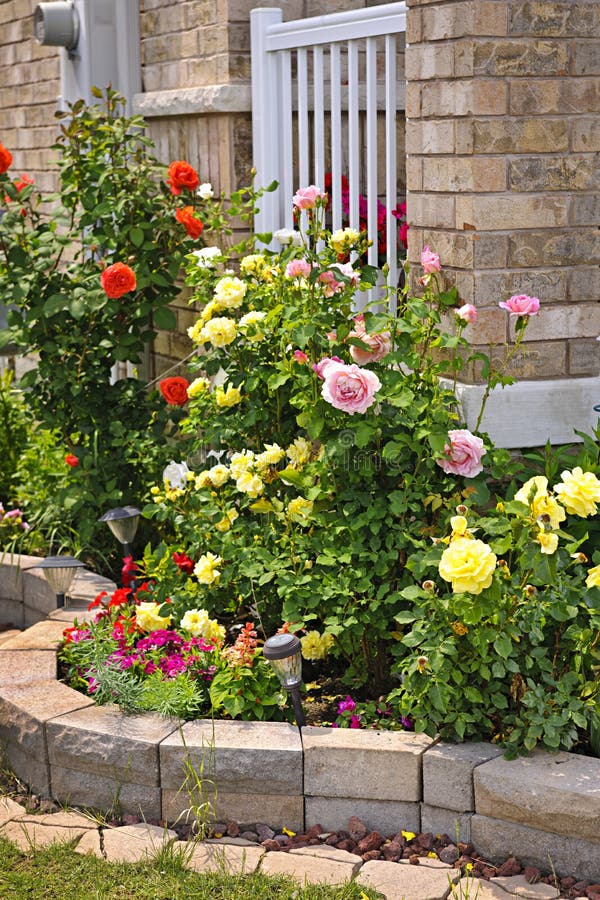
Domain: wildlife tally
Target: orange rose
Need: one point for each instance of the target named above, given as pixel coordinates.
(5, 159)
(117, 280)
(182, 176)
(193, 226)
(174, 390)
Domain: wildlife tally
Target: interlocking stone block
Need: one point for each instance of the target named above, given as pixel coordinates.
(520, 887)
(333, 757)
(105, 792)
(446, 821)
(132, 843)
(309, 869)
(44, 635)
(10, 810)
(327, 852)
(29, 832)
(241, 757)
(448, 774)
(557, 792)
(17, 667)
(385, 816)
(12, 566)
(278, 809)
(496, 839)
(105, 741)
(87, 585)
(11, 612)
(223, 858)
(400, 882)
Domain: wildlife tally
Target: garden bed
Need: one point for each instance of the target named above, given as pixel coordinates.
(61, 744)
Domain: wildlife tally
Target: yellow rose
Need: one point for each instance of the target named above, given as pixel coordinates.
(202, 480)
(469, 565)
(218, 475)
(241, 462)
(209, 311)
(219, 332)
(299, 452)
(548, 541)
(227, 521)
(229, 397)
(272, 454)
(535, 494)
(343, 239)
(198, 387)
(146, 616)
(459, 528)
(199, 624)
(250, 325)
(579, 492)
(315, 645)
(300, 510)
(206, 570)
(250, 484)
(230, 292)
(593, 577)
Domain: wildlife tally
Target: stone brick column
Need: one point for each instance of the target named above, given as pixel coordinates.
(503, 174)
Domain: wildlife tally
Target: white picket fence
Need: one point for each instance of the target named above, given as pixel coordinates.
(325, 97)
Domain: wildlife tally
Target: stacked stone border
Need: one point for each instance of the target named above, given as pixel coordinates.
(544, 808)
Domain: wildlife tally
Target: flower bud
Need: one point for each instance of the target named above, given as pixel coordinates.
(530, 590)
(422, 663)
(462, 510)
(428, 586)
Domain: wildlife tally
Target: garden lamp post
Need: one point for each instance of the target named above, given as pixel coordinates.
(59, 572)
(123, 522)
(283, 652)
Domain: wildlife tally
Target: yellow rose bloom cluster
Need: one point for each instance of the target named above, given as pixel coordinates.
(148, 619)
(300, 510)
(343, 240)
(469, 564)
(534, 494)
(199, 624)
(579, 492)
(227, 521)
(198, 387)
(229, 397)
(259, 266)
(271, 455)
(230, 291)
(249, 483)
(315, 645)
(219, 332)
(241, 462)
(250, 325)
(206, 570)
(299, 452)
(218, 475)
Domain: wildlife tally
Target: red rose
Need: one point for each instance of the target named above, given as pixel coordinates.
(24, 181)
(72, 460)
(182, 176)
(174, 390)
(5, 159)
(193, 226)
(183, 563)
(403, 234)
(117, 280)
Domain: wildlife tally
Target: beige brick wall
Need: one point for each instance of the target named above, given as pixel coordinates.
(503, 169)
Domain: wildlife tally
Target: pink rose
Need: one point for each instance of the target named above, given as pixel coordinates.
(379, 344)
(430, 261)
(300, 357)
(351, 273)
(521, 305)
(467, 313)
(349, 388)
(463, 454)
(297, 268)
(320, 367)
(330, 283)
(306, 198)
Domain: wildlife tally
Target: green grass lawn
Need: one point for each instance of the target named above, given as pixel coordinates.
(57, 873)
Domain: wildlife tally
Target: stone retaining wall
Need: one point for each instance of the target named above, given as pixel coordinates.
(544, 808)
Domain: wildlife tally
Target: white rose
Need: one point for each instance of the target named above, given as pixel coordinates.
(176, 474)
(206, 257)
(285, 236)
(205, 191)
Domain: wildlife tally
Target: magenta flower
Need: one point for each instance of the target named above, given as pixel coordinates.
(308, 197)
(354, 722)
(300, 357)
(521, 305)
(349, 388)
(430, 261)
(467, 313)
(463, 454)
(347, 705)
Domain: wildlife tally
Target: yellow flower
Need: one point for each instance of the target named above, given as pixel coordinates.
(206, 570)
(227, 521)
(250, 325)
(241, 462)
(256, 264)
(299, 452)
(315, 645)
(299, 509)
(288, 832)
(199, 624)
(272, 454)
(535, 494)
(579, 492)
(146, 616)
(548, 541)
(469, 565)
(173, 494)
(459, 628)
(250, 484)
(155, 490)
(343, 239)
(202, 480)
(593, 577)
(230, 292)
(218, 475)
(198, 387)
(209, 311)
(219, 332)
(459, 528)
(408, 835)
(229, 397)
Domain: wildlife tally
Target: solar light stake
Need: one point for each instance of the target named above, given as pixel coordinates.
(59, 572)
(123, 522)
(283, 652)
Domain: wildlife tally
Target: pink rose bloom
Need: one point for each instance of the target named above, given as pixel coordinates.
(330, 283)
(379, 344)
(306, 198)
(320, 367)
(463, 454)
(297, 268)
(351, 273)
(467, 313)
(521, 305)
(300, 357)
(430, 261)
(349, 388)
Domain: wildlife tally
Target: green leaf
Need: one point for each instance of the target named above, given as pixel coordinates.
(137, 236)
(165, 318)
